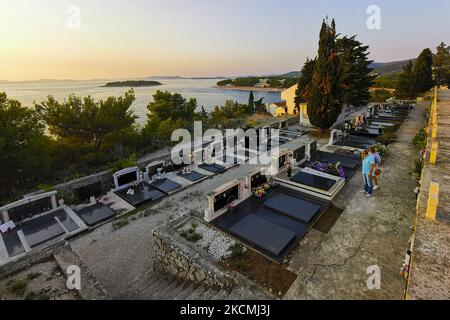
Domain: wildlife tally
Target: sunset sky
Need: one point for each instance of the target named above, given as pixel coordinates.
(138, 38)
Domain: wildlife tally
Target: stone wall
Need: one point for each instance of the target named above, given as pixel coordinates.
(30, 259)
(174, 255)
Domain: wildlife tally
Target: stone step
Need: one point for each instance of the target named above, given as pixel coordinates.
(140, 285)
(209, 294)
(176, 290)
(196, 294)
(187, 290)
(221, 295)
(163, 292)
(153, 290)
(137, 285)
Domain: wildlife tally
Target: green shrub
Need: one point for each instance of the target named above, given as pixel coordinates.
(389, 135)
(237, 251)
(418, 166)
(46, 187)
(381, 149)
(420, 139)
(190, 234)
(120, 223)
(41, 295)
(123, 163)
(18, 287)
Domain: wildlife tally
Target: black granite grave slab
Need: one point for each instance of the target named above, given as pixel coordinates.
(95, 214)
(41, 229)
(166, 185)
(193, 176)
(66, 220)
(294, 225)
(144, 192)
(12, 243)
(264, 234)
(353, 144)
(296, 208)
(213, 168)
(314, 181)
(346, 161)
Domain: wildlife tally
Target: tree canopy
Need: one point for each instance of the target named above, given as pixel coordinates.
(24, 147)
(441, 65)
(325, 103)
(354, 70)
(87, 120)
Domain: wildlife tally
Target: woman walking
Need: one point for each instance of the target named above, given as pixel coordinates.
(368, 169)
(377, 158)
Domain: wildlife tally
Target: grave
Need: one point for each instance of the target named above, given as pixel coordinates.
(95, 214)
(85, 193)
(65, 219)
(314, 181)
(41, 229)
(166, 185)
(271, 225)
(125, 177)
(263, 234)
(12, 243)
(139, 194)
(193, 176)
(213, 168)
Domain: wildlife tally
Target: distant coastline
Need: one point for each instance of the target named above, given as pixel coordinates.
(133, 83)
(255, 89)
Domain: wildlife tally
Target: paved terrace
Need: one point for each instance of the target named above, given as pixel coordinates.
(430, 273)
(369, 232)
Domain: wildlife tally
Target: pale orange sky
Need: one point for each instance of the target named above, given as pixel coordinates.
(138, 38)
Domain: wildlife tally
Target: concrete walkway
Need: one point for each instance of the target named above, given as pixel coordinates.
(370, 232)
(430, 272)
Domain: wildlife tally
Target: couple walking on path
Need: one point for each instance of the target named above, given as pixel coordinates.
(371, 161)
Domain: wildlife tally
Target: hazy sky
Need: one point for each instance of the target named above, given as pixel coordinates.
(137, 38)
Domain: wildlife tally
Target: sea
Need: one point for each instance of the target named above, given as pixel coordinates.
(201, 89)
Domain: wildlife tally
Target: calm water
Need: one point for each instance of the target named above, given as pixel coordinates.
(207, 96)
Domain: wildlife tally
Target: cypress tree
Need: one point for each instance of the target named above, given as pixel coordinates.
(251, 103)
(303, 92)
(325, 103)
(423, 72)
(405, 86)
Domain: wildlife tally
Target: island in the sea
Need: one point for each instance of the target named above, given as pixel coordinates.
(134, 83)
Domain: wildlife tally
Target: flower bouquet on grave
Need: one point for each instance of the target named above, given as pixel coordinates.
(273, 183)
(326, 168)
(133, 184)
(260, 192)
(266, 187)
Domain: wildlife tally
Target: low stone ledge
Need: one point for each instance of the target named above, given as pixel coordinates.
(30, 259)
(90, 287)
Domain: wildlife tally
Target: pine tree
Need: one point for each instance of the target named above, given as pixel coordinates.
(423, 73)
(405, 86)
(354, 70)
(441, 65)
(325, 103)
(303, 92)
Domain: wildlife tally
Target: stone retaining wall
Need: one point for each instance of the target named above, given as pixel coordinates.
(174, 255)
(30, 259)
